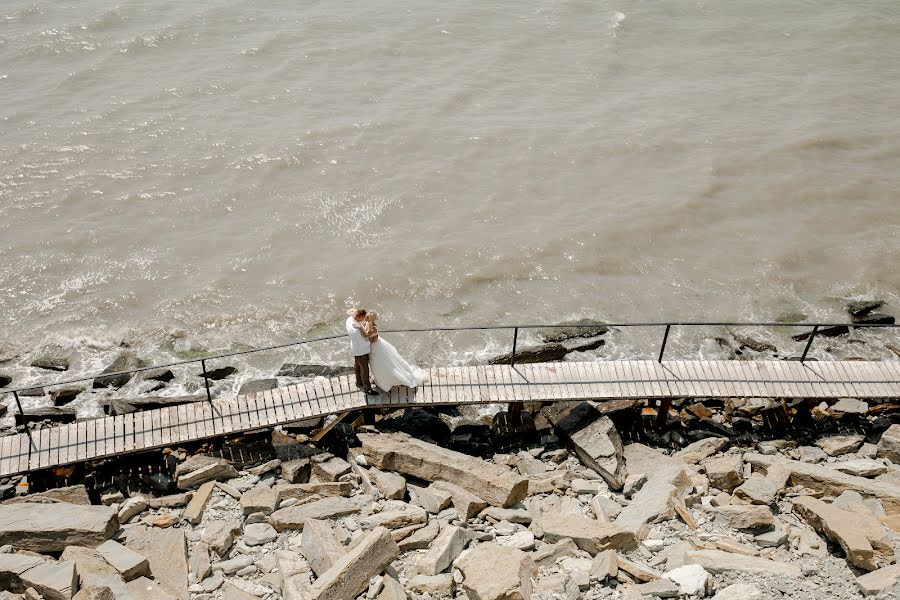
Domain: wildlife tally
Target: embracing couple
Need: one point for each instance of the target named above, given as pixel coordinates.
(374, 357)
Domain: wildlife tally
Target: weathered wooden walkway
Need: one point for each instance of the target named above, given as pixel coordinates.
(138, 431)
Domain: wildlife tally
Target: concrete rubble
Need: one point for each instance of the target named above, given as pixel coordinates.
(591, 517)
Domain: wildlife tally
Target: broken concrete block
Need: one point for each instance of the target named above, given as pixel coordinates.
(838, 445)
(391, 485)
(861, 536)
(443, 550)
(52, 527)
(127, 562)
(889, 445)
(716, 561)
(466, 503)
(494, 572)
(724, 472)
(166, 550)
(399, 452)
(349, 576)
(294, 517)
(194, 511)
(591, 536)
(320, 546)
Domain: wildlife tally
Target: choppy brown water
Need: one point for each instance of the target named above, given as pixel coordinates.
(244, 171)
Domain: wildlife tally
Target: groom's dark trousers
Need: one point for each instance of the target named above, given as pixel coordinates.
(361, 367)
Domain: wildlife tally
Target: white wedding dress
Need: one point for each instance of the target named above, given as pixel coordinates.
(388, 368)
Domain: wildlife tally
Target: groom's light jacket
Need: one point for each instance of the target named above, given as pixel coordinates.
(359, 343)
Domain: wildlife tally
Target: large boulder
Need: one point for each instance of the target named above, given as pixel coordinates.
(656, 500)
(599, 447)
(889, 446)
(52, 527)
(590, 535)
(350, 574)
(126, 361)
(496, 484)
(494, 572)
(295, 517)
(166, 551)
(718, 561)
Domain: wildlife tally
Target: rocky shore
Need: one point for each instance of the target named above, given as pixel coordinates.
(576, 511)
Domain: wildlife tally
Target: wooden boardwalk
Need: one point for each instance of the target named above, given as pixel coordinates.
(139, 431)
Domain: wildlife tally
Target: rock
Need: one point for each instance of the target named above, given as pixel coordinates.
(296, 370)
(605, 565)
(879, 580)
(73, 494)
(740, 591)
(700, 450)
(421, 538)
(52, 527)
(433, 585)
(860, 535)
(591, 536)
(93, 570)
(850, 406)
(466, 503)
(221, 471)
(258, 534)
(51, 363)
(350, 575)
(294, 517)
(398, 452)
(296, 471)
(233, 592)
(172, 501)
(823, 332)
(660, 588)
(166, 550)
(513, 515)
(637, 570)
(391, 485)
(633, 484)
(829, 481)
(889, 446)
(597, 444)
(444, 549)
(838, 445)
(392, 590)
(521, 540)
(233, 565)
(258, 385)
(432, 499)
(320, 546)
(266, 467)
(52, 580)
(861, 467)
(12, 566)
(147, 589)
(692, 580)
(396, 519)
(127, 562)
(198, 561)
(89, 593)
(742, 516)
(535, 354)
(259, 500)
(655, 501)
(875, 319)
(861, 308)
(220, 373)
(582, 328)
(725, 472)
(219, 535)
(771, 539)
(812, 454)
(493, 572)
(757, 490)
(194, 511)
(124, 362)
(332, 469)
(716, 562)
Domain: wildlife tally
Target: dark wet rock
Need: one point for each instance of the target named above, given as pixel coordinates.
(163, 375)
(5, 380)
(63, 396)
(420, 424)
(298, 370)
(221, 373)
(875, 319)
(753, 344)
(258, 385)
(35, 392)
(121, 406)
(124, 362)
(824, 332)
(588, 346)
(861, 308)
(3, 410)
(288, 448)
(472, 439)
(51, 363)
(537, 354)
(582, 328)
(57, 414)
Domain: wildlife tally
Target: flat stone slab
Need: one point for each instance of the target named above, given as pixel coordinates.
(494, 572)
(166, 550)
(349, 576)
(717, 561)
(52, 527)
(294, 517)
(590, 535)
(126, 561)
(655, 501)
(399, 452)
(877, 581)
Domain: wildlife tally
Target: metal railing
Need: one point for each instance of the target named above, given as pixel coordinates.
(816, 329)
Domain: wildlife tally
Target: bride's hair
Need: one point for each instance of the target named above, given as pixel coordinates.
(372, 316)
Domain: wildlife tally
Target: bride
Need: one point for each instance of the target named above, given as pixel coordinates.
(388, 368)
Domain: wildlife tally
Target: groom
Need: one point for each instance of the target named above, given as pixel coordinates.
(360, 346)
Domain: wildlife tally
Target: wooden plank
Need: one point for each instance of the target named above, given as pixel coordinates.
(718, 384)
(100, 437)
(128, 420)
(880, 370)
(601, 375)
(862, 380)
(834, 376)
(6, 455)
(118, 434)
(22, 448)
(876, 378)
(43, 444)
(634, 387)
(279, 395)
(54, 446)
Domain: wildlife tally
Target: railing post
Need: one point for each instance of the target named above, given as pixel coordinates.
(809, 342)
(206, 380)
(512, 361)
(662, 349)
